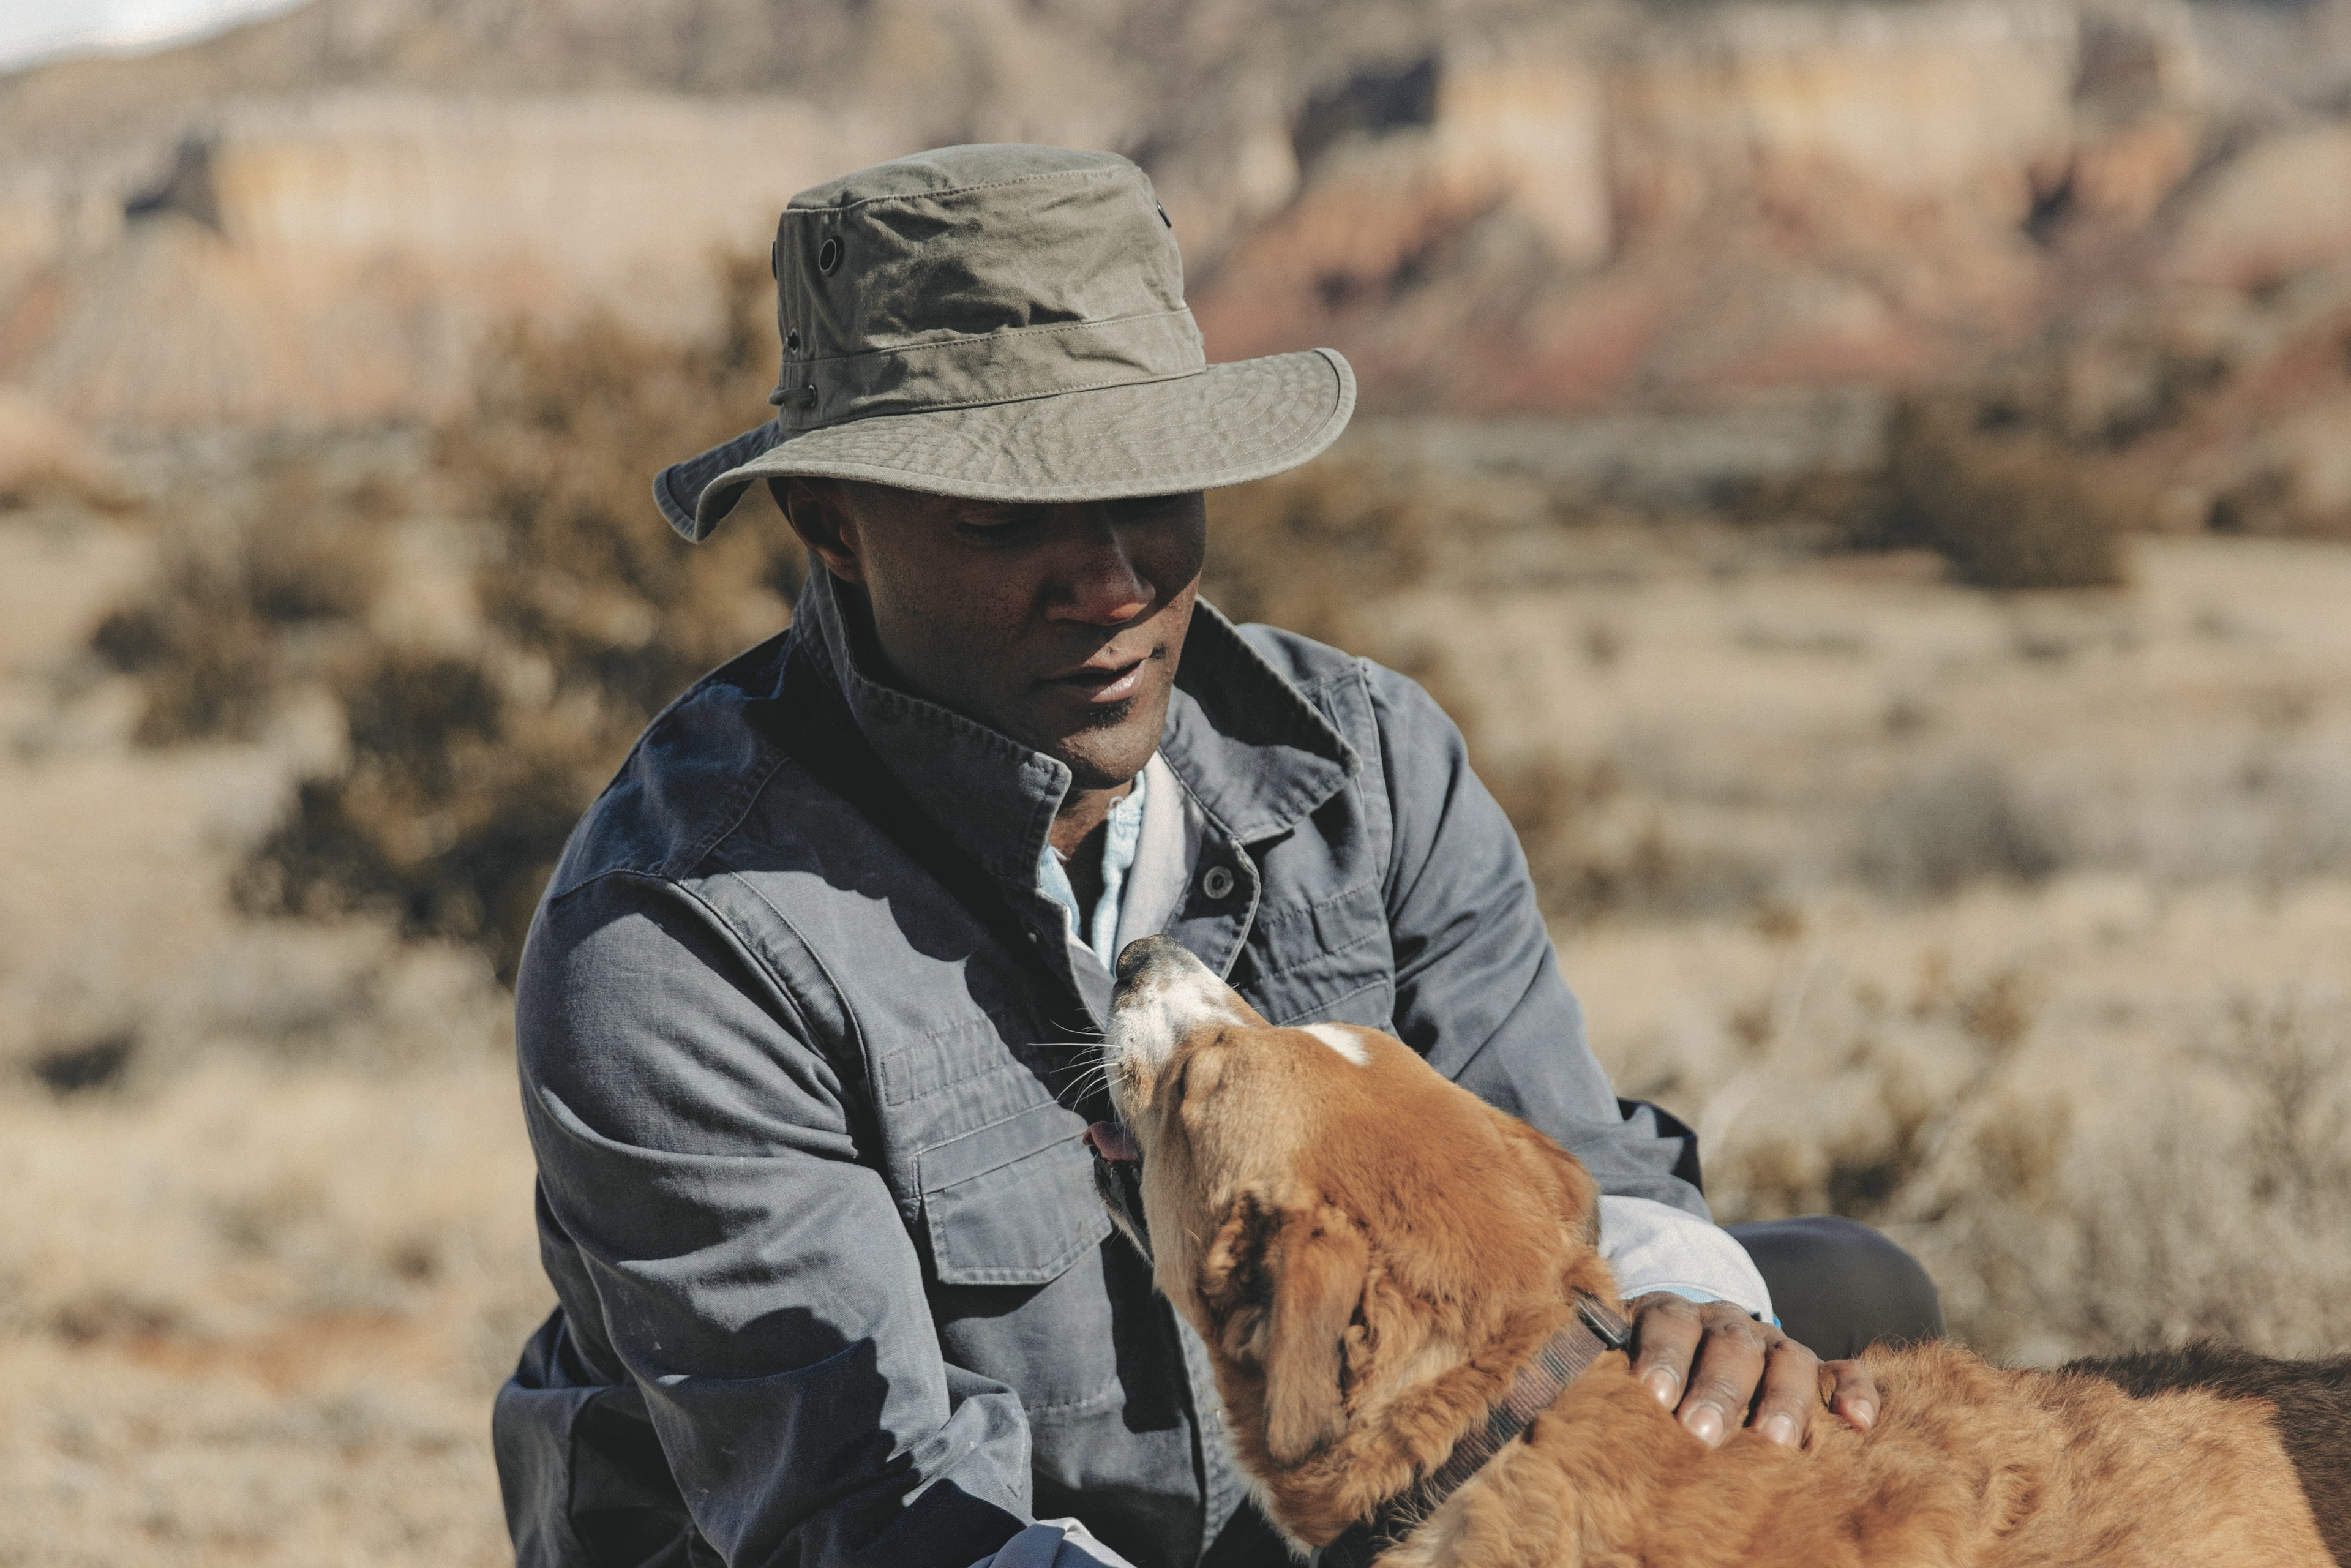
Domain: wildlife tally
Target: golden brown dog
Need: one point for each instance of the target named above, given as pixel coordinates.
(1371, 1254)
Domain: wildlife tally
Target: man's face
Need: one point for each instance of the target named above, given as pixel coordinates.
(1058, 625)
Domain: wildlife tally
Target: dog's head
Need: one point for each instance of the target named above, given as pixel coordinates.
(1367, 1249)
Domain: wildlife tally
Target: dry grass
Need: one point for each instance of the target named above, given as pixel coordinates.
(256, 1315)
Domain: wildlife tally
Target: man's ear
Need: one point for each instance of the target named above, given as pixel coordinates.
(1317, 1267)
(819, 513)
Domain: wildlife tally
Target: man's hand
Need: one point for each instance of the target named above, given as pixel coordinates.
(1714, 1366)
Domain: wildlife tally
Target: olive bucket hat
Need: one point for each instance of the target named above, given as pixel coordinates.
(1006, 323)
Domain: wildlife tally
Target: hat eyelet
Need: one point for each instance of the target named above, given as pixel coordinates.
(828, 256)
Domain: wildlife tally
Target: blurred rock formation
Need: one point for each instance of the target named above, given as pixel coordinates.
(1488, 204)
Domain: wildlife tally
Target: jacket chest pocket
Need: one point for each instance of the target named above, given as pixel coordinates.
(1016, 1239)
(1011, 1203)
(1329, 960)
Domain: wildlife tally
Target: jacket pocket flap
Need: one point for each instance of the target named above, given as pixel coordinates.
(1012, 1203)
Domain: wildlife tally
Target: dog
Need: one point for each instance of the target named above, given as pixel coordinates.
(1422, 1358)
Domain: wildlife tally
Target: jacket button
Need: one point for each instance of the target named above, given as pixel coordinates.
(1217, 882)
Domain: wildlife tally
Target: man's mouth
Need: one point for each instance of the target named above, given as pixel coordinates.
(1113, 1143)
(1103, 681)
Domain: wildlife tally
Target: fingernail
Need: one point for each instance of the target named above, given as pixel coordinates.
(1781, 1429)
(1704, 1423)
(1663, 1383)
(1864, 1412)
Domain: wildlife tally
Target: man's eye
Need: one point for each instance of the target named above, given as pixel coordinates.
(995, 528)
(1143, 508)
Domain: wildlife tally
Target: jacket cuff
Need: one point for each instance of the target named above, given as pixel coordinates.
(1054, 1543)
(1651, 1245)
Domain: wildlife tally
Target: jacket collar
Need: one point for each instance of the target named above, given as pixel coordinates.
(1252, 749)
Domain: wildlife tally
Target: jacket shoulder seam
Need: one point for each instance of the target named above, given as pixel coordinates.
(720, 923)
(730, 817)
(854, 1028)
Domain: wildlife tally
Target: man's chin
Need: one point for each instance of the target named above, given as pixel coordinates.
(1110, 747)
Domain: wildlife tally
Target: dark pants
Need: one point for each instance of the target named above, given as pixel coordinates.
(1837, 1286)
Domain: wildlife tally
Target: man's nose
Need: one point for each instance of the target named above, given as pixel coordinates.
(1102, 587)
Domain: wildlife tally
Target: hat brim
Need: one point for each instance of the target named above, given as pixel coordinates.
(1227, 425)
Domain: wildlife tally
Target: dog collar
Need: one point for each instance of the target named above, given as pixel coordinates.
(1593, 1332)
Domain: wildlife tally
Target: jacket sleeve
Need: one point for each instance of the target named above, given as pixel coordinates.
(1478, 987)
(752, 1276)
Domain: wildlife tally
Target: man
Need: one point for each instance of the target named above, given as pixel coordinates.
(804, 1021)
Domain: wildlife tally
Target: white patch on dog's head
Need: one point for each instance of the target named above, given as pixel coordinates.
(1340, 1041)
(1175, 996)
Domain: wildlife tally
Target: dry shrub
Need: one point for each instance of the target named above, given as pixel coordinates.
(2009, 508)
(1981, 481)
(1320, 550)
(465, 772)
(1888, 1106)
(558, 457)
(207, 637)
(2279, 500)
(447, 814)
(2213, 1204)
(79, 1066)
(2065, 1205)
(1596, 848)
(1937, 831)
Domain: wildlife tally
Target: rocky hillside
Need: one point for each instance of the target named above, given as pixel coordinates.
(1488, 205)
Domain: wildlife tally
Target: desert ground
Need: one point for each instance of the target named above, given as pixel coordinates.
(2014, 923)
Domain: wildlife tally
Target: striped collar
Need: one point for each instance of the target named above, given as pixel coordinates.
(1593, 1332)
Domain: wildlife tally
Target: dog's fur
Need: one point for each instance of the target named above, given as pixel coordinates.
(1369, 1251)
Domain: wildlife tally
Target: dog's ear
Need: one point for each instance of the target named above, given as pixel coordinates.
(1282, 1288)
(1319, 1268)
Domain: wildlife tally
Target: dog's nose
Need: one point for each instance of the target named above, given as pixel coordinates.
(1145, 953)
(1156, 955)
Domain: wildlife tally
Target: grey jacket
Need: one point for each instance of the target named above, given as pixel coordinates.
(803, 1049)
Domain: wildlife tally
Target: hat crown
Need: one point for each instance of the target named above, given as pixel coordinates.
(974, 275)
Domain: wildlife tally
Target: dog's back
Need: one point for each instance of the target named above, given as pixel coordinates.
(2309, 1407)
(2203, 1456)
